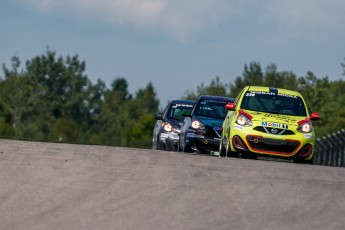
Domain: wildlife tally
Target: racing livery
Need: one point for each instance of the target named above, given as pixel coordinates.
(270, 122)
(168, 124)
(201, 129)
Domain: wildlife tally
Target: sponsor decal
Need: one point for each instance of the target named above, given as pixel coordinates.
(164, 135)
(286, 95)
(237, 127)
(274, 125)
(214, 101)
(279, 117)
(217, 128)
(309, 136)
(190, 135)
(252, 93)
(181, 105)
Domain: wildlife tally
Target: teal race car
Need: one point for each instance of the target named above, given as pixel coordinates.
(202, 127)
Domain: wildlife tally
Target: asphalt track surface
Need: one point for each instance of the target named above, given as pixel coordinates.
(61, 186)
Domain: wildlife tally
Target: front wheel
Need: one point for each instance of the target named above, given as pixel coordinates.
(300, 161)
(228, 152)
(184, 146)
(221, 148)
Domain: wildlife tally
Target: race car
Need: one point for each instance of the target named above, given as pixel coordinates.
(202, 127)
(269, 122)
(168, 124)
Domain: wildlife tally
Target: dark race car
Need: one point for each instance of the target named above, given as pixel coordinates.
(202, 128)
(168, 125)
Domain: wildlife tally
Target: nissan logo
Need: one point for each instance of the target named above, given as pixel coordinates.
(274, 131)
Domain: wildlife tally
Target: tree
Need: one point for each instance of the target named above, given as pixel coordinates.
(18, 93)
(216, 87)
(252, 75)
(142, 110)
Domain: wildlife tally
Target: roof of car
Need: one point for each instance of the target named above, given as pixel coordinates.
(183, 101)
(216, 97)
(272, 89)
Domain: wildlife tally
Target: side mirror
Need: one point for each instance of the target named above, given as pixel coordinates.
(158, 116)
(314, 116)
(230, 106)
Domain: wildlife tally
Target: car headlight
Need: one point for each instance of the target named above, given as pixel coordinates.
(197, 125)
(168, 127)
(305, 127)
(243, 120)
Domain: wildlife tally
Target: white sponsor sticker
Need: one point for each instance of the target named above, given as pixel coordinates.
(309, 136)
(237, 127)
(190, 135)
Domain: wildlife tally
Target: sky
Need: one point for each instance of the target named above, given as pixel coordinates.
(177, 45)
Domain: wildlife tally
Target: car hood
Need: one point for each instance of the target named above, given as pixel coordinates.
(209, 121)
(272, 117)
(175, 123)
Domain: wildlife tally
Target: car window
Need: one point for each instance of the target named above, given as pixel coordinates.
(211, 108)
(273, 103)
(176, 110)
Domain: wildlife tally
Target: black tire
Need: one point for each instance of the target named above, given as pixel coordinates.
(300, 161)
(221, 148)
(228, 151)
(154, 144)
(160, 145)
(185, 147)
(169, 144)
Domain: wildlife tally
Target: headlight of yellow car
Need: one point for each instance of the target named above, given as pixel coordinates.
(305, 127)
(244, 118)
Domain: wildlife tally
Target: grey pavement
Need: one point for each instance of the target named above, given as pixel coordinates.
(48, 186)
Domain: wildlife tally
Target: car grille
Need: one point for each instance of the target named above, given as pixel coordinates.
(271, 130)
(210, 132)
(262, 144)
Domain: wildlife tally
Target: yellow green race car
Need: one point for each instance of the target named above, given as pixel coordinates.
(271, 122)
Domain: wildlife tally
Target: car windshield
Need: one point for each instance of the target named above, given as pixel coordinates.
(177, 109)
(273, 103)
(212, 108)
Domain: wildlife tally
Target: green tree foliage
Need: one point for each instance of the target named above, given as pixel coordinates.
(51, 99)
(216, 88)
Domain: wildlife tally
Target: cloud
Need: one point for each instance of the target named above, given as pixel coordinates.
(179, 19)
(182, 20)
(309, 18)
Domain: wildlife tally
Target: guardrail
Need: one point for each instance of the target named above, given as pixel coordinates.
(330, 149)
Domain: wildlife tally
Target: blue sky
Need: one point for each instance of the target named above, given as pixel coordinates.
(178, 44)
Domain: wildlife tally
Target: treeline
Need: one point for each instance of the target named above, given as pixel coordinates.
(51, 99)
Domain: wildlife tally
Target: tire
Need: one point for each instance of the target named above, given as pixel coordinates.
(154, 144)
(160, 145)
(300, 161)
(169, 144)
(228, 152)
(221, 148)
(185, 148)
